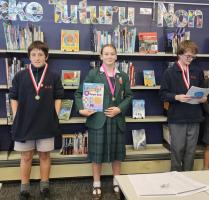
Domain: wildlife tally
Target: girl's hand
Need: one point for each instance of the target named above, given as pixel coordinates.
(86, 112)
(112, 111)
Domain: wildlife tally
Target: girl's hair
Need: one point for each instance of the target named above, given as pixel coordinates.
(108, 45)
(185, 46)
(39, 45)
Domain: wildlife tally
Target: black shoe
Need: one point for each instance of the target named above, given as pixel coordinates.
(45, 194)
(24, 195)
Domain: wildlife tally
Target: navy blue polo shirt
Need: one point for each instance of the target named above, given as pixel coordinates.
(35, 119)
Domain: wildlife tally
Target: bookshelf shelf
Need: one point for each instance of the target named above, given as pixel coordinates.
(147, 119)
(142, 87)
(73, 120)
(3, 87)
(3, 121)
(70, 87)
(82, 120)
(91, 53)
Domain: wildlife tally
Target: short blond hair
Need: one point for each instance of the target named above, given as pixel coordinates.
(185, 46)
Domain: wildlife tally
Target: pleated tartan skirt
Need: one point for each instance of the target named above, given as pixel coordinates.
(106, 144)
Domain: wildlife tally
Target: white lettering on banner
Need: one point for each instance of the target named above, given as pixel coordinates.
(179, 18)
(32, 11)
(90, 14)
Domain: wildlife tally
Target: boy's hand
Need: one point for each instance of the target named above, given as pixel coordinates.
(182, 98)
(203, 99)
(86, 112)
(112, 111)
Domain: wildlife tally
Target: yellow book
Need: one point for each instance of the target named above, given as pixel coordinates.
(69, 40)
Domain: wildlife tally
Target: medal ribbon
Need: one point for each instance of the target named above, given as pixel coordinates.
(37, 87)
(111, 86)
(185, 75)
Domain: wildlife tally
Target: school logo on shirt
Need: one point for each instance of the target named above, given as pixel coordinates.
(48, 87)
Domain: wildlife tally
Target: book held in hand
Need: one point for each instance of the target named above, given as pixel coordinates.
(71, 77)
(65, 110)
(93, 94)
(69, 40)
(138, 108)
(149, 78)
(139, 139)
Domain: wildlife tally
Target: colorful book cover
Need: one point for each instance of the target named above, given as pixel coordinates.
(138, 108)
(65, 110)
(69, 40)
(149, 78)
(148, 42)
(139, 139)
(71, 77)
(93, 94)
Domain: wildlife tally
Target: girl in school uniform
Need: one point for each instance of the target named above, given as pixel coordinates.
(106, 130)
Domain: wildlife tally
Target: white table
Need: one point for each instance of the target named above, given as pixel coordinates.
(129, 193)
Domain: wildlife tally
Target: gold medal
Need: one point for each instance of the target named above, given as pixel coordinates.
(37, 97)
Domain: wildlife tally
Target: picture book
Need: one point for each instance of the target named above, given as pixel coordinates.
(65, 110)
(148, 42)
(93, 94)
(69, 40)
(138, 108)
(71, 77)
(149, 78)
(139, 139)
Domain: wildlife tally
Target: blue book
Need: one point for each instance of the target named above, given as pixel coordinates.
(138, 108)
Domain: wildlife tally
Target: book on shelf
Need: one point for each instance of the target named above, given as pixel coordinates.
(138, 108)
(123, 39)
(69, 40)
(19, 38)
(149, 78)
(132, 74)
(74, 144)
(148, 42)
(65, 111)
(93, 94)
(139, 139)
(13, 65)
(8, 109)
(173, 37)
(71, 77)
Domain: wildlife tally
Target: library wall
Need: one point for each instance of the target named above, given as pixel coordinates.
(143, 23)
